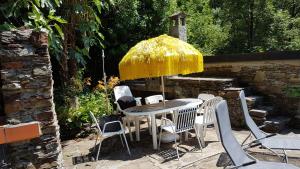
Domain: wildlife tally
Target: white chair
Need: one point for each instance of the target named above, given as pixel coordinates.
(205, 96)
(153, 99)
(103, 135)
(120, 91)
(183, 122)
(206, 116)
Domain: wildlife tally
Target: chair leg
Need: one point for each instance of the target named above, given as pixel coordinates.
(201, 136)
(199, 140)
(129, 129)
(95, 142)
(97, 157)
(217, 130)
(149, 125)
(176, 147)
(126, 144)
(159, 138)
(121, 140)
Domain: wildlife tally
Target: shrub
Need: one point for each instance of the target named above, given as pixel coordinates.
(73, 106)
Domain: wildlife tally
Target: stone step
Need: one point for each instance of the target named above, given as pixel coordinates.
(259, 121)
(269, 109)
(258, 113)
(276, 124)
(254, 101)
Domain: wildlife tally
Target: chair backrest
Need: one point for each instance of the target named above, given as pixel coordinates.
(120, 91)
(95, 121)
(205, 96)
(153, 99)
(185, 117)
(229, 142)
(208, 110)
(258, 134)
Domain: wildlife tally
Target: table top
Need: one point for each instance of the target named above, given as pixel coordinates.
(160, 107)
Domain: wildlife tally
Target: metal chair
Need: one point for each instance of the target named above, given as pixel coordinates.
(120, 91)
(103, 135)
(183, 122)
(267, 141)
(238, 156)
(207, 117)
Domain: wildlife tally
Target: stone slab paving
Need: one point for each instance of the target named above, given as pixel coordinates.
(143, 156)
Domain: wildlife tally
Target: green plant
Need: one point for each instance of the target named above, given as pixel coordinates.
(293, 91)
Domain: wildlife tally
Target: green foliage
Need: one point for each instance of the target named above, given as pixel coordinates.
(40, 15)
(73, 118)
(293, 91)
(84, 15)
(204, 30)
(260, 25)
(130, 21)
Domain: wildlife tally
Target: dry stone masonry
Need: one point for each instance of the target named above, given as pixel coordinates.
(27, 89)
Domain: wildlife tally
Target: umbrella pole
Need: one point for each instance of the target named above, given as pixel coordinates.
(104, 80)
(163, 88)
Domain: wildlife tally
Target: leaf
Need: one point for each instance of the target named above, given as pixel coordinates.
(57, 2)
(37, 2)
(98, 5)
(59, 30)
(6, 27)
(57, 18)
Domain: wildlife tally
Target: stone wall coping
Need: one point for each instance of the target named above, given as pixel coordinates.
(201, 79)
(263, 56)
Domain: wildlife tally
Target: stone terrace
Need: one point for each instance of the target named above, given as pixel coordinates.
(77, 153)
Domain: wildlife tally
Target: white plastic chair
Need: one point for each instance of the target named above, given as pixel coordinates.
(103, 135)
(153, 99)
(207, 117)
(183, 122)
(120, 91)
(205, 96)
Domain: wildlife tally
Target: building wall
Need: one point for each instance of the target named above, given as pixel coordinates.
(27, 89)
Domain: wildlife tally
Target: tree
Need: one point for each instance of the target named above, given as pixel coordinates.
(126, 23)
(205, 31)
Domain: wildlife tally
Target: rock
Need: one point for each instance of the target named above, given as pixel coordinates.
(276, 124)
(40, 71)
(12, 86)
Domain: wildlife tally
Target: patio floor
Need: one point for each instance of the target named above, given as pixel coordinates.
(77, 153)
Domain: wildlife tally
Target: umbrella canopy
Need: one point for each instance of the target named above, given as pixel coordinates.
(160, 56)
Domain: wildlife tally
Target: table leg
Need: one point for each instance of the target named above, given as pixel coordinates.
(137, 129)
(154, 133)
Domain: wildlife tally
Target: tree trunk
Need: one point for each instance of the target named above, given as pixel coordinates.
(251, 25)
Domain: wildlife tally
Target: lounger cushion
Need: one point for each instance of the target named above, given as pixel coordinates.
(269, 165)
(282, 142)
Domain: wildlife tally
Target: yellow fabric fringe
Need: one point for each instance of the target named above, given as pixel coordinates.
(160, 56)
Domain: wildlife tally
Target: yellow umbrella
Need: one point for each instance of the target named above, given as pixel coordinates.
(160, 56)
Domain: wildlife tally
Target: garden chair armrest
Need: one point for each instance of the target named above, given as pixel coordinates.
(167, 120)
(111, 122)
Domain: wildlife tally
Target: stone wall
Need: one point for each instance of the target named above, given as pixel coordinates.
(27, 89)
(270, 75)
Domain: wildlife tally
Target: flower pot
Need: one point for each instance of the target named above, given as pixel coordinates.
(110, 127)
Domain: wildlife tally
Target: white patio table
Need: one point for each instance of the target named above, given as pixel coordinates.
(157, 108)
